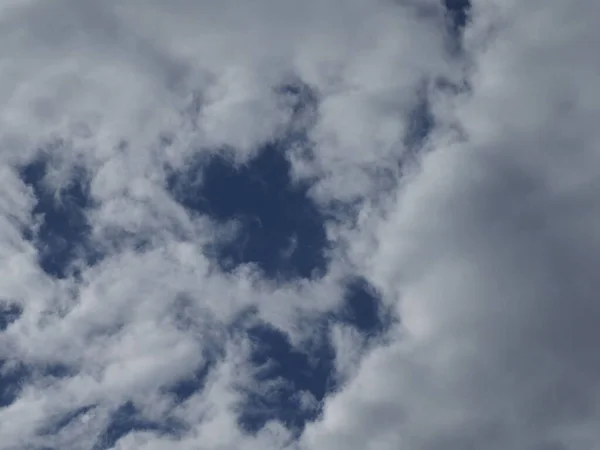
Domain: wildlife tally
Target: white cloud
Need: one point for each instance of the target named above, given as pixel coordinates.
(485, 248)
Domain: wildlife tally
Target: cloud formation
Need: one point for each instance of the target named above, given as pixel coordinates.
(304, 226)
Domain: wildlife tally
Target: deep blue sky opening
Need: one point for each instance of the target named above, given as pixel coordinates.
(420, 122)
(64, 228)
(126, 419)
(190, 384)
(9, 313)
(306, 370)
(63, 421)
(14, 375)
(458, 12)
(11, 379)
(281, 229)
(295, 371)
(362, 308)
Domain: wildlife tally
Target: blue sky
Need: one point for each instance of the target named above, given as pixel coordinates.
(329, 225)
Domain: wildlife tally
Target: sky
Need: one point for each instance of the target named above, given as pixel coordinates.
(317, 225)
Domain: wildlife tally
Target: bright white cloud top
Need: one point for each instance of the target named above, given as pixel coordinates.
(316, 225)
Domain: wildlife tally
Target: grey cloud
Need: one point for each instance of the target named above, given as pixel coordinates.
(490, 253)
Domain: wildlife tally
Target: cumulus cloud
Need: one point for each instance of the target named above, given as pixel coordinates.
(448, 163)
(488, 255)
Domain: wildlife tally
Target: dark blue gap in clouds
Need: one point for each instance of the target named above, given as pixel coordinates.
(362, 309)
(15, 375)
(64, 420)
(194, 381)
(9, 313)
(458, 12)
(12, 378)
(64, 228)
(421, 120)
(127, 419)
(295, 372)
(191, 384)
(281, 229)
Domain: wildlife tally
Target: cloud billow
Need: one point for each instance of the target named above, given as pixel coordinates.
(299, 225)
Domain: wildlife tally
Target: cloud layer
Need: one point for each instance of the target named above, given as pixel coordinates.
(305, 226)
